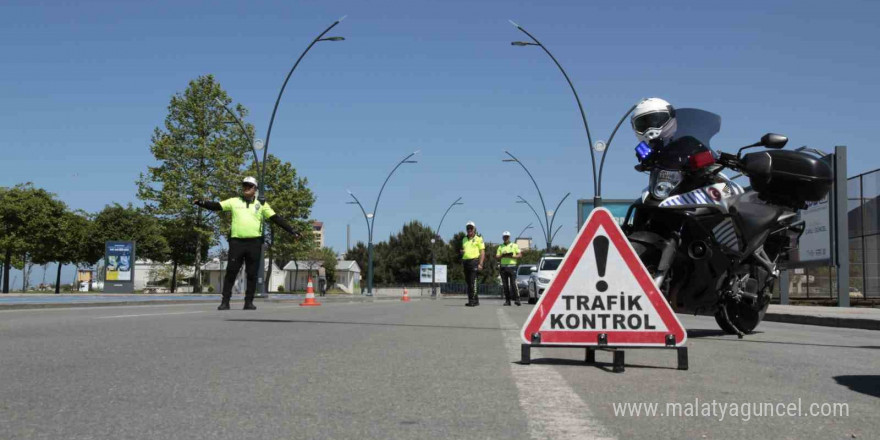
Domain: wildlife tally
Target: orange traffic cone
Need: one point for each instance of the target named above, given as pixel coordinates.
(405, 295)
(310, 296)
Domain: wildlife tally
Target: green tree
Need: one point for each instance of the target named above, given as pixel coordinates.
(328, 258)
(451, 257)
(183, 245)
(407, 250)
(289, 197)
(126, 223)
(71, 245)
(29, 218)
(200, 156)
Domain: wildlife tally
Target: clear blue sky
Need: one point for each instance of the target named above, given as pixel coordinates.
(83, 84)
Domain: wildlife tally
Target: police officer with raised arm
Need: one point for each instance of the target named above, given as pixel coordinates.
(508, 253)
(473, 252)
(246, 238)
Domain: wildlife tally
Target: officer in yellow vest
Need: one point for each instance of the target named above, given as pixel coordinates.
(508, 253)
(246, 238)
(473, 252)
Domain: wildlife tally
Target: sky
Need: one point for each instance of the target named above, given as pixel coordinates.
(84, 83)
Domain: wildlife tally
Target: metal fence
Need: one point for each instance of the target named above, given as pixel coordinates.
(863, 212)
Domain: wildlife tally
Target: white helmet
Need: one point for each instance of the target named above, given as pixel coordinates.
(654, 118)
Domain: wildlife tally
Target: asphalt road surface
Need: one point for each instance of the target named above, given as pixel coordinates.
(425, 370)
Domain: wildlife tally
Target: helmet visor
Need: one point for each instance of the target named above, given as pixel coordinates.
(651, 120)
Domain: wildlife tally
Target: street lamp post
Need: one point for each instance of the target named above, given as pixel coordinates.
(433, 255)
(261, 197)
(371, 219)
(547, 225)
(600, 146)
(518, 236)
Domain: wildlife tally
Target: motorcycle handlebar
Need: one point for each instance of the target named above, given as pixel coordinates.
(728, 160)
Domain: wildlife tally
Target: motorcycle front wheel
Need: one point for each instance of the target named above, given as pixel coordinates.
(742, 315)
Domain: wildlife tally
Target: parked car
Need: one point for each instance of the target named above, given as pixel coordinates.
(523, 273)
(540, 279)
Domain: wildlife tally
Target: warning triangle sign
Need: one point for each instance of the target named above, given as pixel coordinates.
(602, 288)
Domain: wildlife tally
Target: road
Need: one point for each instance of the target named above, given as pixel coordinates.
(389, 370)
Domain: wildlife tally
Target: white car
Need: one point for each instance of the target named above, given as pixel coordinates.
(542, 275)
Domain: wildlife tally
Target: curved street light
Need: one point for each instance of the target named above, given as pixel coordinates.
(433, 256)
(261, 168)
(528, 226)
(543, 228)
(600, 146)
(549, 218)
(370, 219)
(576, 97)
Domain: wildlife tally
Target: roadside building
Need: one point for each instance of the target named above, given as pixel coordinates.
(348, 276)
(215, 271)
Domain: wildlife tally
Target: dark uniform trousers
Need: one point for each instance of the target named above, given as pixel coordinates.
(247, 251)
(508, 282)
(470, 277)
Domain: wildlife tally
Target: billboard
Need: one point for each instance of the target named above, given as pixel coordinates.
(425, 273)
(119, 259)
(618, 208)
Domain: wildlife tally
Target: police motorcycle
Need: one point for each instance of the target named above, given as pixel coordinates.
(711, 245)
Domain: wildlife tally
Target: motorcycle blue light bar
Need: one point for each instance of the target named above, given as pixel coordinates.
(643, 151)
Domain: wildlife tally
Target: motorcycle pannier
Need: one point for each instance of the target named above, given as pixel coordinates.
(788, 177)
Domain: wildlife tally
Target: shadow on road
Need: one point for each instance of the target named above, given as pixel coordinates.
(304, 321)
(707, 333)
(866, 384)
(719, 335)
(605, 366)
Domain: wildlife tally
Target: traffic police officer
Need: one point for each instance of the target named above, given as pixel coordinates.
(508, 254)
(246, 238)
(473, 252)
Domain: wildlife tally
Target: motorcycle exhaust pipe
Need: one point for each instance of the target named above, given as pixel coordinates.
(699, 250)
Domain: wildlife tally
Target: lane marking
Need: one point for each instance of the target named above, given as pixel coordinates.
(102, 307)
(553, 410)
(147, 314)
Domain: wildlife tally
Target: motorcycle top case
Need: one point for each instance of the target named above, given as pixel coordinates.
(789, 177)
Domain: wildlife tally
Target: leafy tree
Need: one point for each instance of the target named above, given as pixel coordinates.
(183, 243)
(72, 243)
(29, 218)
(451, 257)
(200, 156)
(328, 257)
(407, 250)
(126, 223)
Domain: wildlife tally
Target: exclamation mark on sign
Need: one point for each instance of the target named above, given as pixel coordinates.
(600, 247)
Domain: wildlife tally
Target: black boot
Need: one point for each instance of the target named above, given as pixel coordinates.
(249, 306)
(517, 303)
(223, 305)
(507, 303)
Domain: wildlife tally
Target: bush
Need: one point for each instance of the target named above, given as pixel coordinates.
(281, 288)
(210, 289)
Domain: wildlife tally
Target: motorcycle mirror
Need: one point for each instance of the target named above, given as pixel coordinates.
(773, 140)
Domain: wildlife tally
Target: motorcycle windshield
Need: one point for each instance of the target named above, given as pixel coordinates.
(693, 124)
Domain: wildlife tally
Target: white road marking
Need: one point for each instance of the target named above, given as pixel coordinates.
(147, 314)
(553, 410)
(101, 307)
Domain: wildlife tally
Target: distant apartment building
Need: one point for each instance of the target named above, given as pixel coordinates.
(318, 229)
